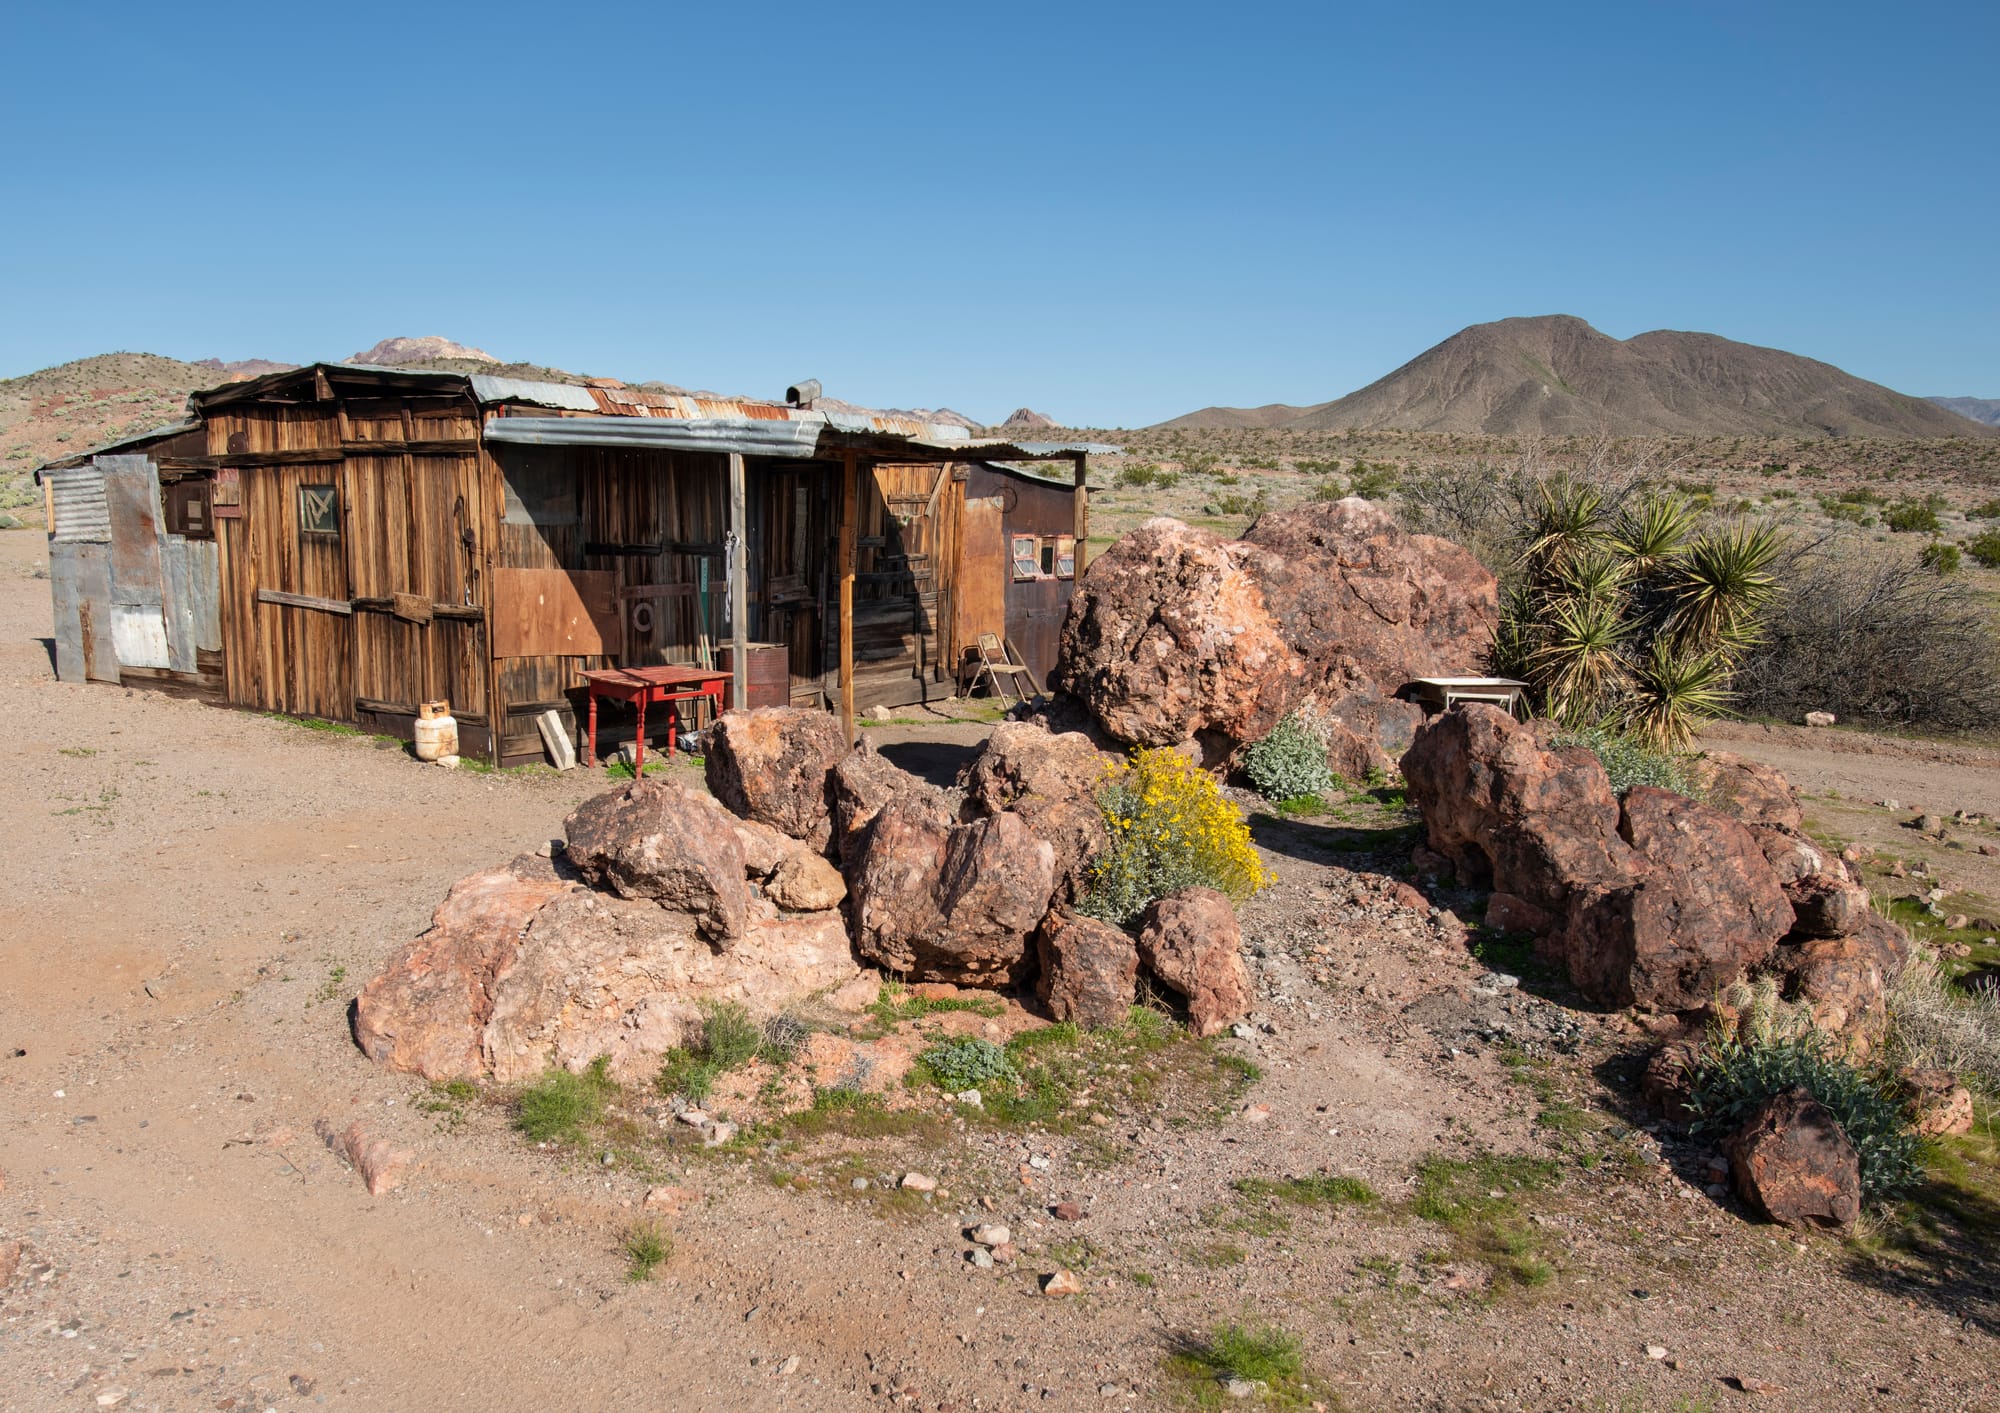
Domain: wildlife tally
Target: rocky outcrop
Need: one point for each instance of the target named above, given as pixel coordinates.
(1089, 970)
(426, 1011)
(598, 975)
(1176, 634)
(1844, 982)
(1793, 1164)
(1536, 824)
(934, 900)
(1935, 1101)
(771, 765)
(1704, 909)
(659, 841)
(1751, 791)
(1190, 941)
(1051, 782)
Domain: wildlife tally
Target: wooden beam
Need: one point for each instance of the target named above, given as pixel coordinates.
(307, 456)
(850, 517)
(279, 596)
(1081, 514)
(739, 588)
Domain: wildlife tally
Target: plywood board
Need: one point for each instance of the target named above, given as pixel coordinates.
(555, 613)
(983, 570)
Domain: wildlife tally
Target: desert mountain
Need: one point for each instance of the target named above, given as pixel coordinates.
(1984, 410)
(243, 368)
(1556, 375)
(55, 411)
(427, 349)
(1026, 419)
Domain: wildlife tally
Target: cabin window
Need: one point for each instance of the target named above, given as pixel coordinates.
(189, 513)
(1048, 559)
(1027, 557)
(319, 510)
(1065, 556)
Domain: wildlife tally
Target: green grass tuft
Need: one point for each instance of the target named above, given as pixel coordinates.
(558, 1107)
(647, 1248)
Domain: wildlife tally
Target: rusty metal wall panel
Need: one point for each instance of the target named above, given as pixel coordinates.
(80, 581)
(193, 601)
(138, 574)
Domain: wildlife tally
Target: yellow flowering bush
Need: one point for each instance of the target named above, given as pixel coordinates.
(1170, 828)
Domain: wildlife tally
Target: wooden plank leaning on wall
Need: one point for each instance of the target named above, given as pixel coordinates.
(850, 511)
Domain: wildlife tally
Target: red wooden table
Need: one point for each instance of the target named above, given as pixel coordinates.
(643, 685)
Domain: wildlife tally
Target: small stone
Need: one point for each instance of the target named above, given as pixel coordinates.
(919, 1182)
(694, 1118)
(971, 1097)
(991, 1234)
(1955, 922)
(1890, 804)
(303, 1386)
(790, 1366)
(859, 1184)
(1040, 1162)
(1236, 1386)
(668, 1199)
(718, 1134)
(1255, 1113)
(1821, 718)
(1656, 1351)
(113, 1396)
(1066, 1212)
(1062, 1282)
(1242, 1031)
(980, 1257)
(1005, 1253)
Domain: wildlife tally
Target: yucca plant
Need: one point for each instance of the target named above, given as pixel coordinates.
(1628, 617)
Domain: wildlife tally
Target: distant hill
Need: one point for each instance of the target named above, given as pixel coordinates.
(1556, 375)
(244, 367)
(1026, 419)
(429, 348)
(55, 411)
(1985, 410)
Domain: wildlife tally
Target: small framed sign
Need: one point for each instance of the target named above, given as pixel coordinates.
(319, 510)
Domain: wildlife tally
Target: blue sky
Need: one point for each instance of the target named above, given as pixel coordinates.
(1112, 214)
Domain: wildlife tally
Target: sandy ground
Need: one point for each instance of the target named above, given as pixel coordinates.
(196, 894)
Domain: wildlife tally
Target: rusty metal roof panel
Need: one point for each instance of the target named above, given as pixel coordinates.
(744, 436)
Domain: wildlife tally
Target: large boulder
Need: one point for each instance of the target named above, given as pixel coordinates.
(1792, 1162)
(1089, 969)
(600, 976)
(1190, 941)
(771, 765)
(1536, 824)
(1051, 782)
(426, 1010)
(863, 782)
(1175, 634)
(1751, 791)
(1705, 908)
(657, 840)
(934, 900)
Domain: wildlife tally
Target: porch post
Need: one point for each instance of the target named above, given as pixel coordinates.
(850, 512)
(739, 590)
(1081, 512)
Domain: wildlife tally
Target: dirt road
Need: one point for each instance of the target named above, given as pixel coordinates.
(195, 894)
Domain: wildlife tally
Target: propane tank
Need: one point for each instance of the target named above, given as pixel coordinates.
(436, 733)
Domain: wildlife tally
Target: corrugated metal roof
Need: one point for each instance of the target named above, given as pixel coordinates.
(489, 390)
(78, 458)
(745, 436)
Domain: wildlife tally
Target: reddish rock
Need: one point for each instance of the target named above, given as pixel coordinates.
(1792, 856)
(380, 1163)
(1936, 1102)
(1402, 895)
(426, 1010)
(1844, 982)
(863, 782)
(10, 1262)
(1705, 910)
(1051, 781)
(1828, 905)
(771, 764)
(1792, 1163)
(1664, 1085)
(1089, 970)
(1190, 941)
(1175, 634)
(1509, 914)
(1541, 825)
(1752, 792)
(938, 901)
(654, 839)
(764, 848)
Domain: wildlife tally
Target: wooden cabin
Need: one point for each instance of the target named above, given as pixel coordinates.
(1033, 520)
(346, 542)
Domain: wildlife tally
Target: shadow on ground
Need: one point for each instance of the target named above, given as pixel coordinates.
(936, 761)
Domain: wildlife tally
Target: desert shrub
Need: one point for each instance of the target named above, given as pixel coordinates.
(967, 1063)
(557, 1107)
(1912, 516)
(1985, 548)
(1140, 473)
(1170, 828)
(729, 1039)
(1935, 1024)
(1329, 490)
(1630, 761)
(647, 1248)
(1291, 761)
(1734, 1073)
(1940, 558)
(1843, 510)
(1876, 638)
(1371, 482)
(1989, 510)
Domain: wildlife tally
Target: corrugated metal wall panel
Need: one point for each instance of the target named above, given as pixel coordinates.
(82, 515)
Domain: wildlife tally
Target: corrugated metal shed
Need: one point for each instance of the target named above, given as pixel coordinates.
(799, 436)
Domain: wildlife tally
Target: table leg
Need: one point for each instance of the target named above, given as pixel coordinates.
(590, 750)
(673, 724)
(639, 744)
